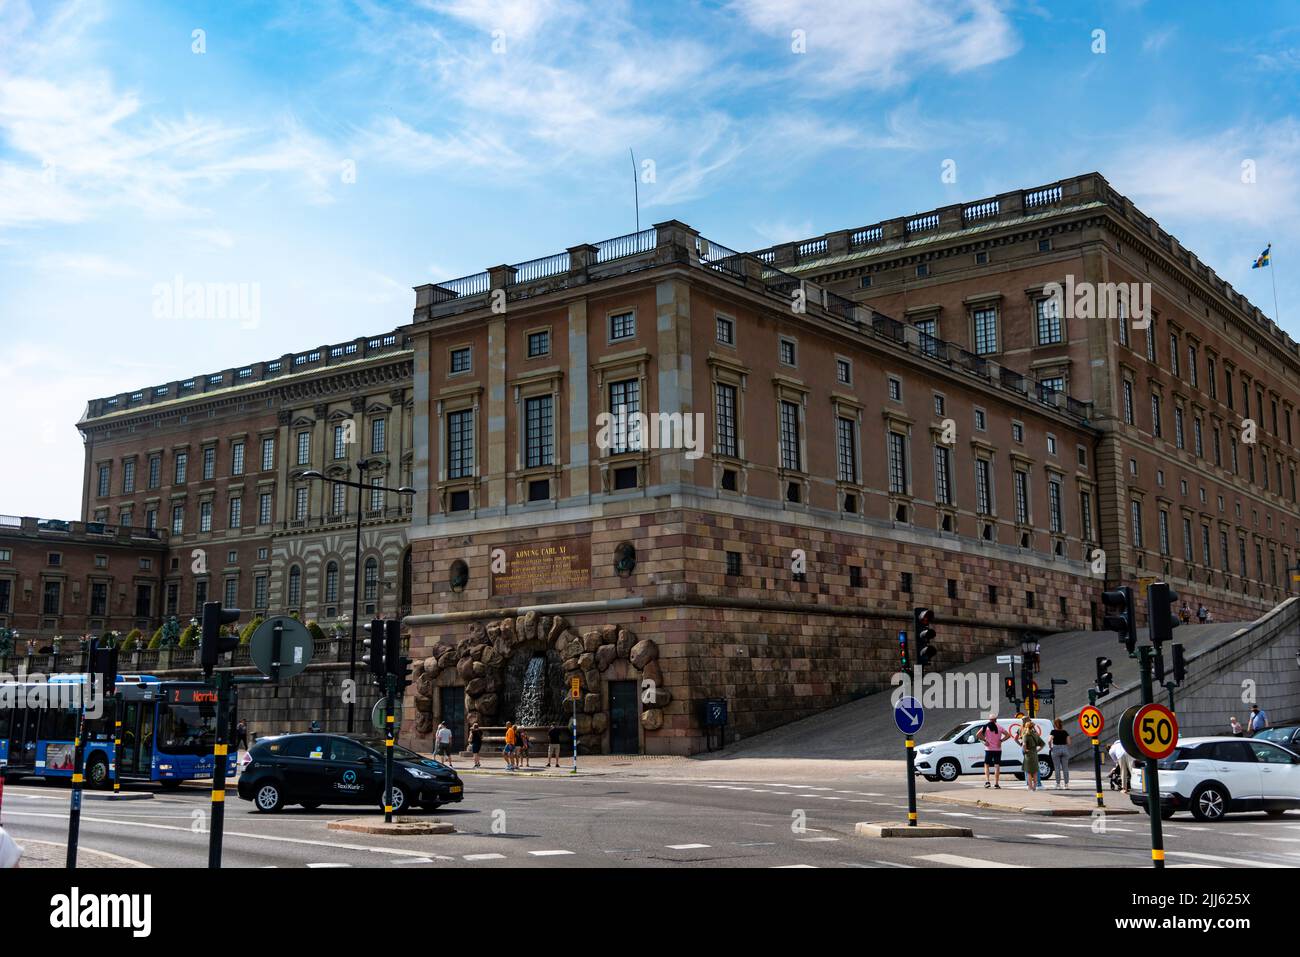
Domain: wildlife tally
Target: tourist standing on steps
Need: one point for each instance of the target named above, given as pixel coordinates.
(1060, 754)
(553, 745)
(512, 738)
(476, 742)
(443, 740)
(993, 734)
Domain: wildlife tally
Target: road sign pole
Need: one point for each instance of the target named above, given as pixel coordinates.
(389, 682)
(1150, 773)
(1096, 770)
(911, 782)
(219, 750)
(79, 756)
(575, 735)
(117, 746)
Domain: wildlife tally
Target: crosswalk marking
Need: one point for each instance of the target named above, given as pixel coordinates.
(956, 860)
(329, 864)
(684, 847)
(484, 857)
(1235, 861)
(416, 860)
(783, 867)
(1047, 837)
(754, 843)
(549, 853)
(811, 840)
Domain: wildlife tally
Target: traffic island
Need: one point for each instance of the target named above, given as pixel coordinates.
(1020, 801)
(400, 825)
(866, 829)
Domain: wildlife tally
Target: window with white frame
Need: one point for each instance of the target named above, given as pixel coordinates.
(983, 487)
(268, 454)
(460, 444)
(236, 511)
(726, 415)
(539, 431)
(897, 462)
(986, 330)
(205, 516)
(264, 509)
(846, 449)
(942, 475)
(1022, 496)
(622, 325)
(625, 406)
(460, 360)
(1055, 519)
(300, 503)
(378, 435)
(791, 457)
(1048, 314)
(237, 458)
(725, 330)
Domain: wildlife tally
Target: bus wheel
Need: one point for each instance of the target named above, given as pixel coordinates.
(97, 771)
(170, 785)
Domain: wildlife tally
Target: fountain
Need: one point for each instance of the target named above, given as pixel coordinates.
(532, 700)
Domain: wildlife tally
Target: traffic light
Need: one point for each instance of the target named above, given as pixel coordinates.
(1104, 677)
(925, 634)
(213, 643)
(374, 648)
(1121, 616)
(1161, 619)
(1009, 687)
(1180, 664)
(104, 662)
(904, 665)
(392, 645)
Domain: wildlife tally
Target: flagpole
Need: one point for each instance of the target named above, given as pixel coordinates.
(1277, 316)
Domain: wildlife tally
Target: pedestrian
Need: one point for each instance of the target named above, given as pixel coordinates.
(1060, 754)
(1185, 613)
(993, 734)
(553, 736)
(523, 746)
(512, 738)
(1031, 743)
(1038, 655)
(10, 853)
(1202, 614)
(1124, 763)
(1235, 726)
(475, 742)
(1258, 720)
(241, 735)
(443, 740)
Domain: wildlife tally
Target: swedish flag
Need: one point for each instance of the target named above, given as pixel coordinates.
(1263, 258)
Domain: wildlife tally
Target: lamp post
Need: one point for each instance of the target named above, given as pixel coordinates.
(362, 466)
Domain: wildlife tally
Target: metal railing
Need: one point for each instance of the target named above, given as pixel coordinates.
(475, 285)
(630, 245)
(546, 266)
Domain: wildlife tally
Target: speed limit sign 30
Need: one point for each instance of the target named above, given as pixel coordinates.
(1155, 731)
(1091, 722)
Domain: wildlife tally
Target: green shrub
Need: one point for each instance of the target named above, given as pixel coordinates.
(316, 631)
(246, 635)
(156, 641)
(189, 636)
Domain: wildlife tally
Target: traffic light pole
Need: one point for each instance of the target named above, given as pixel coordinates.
(1150, 773)
(219, 750)
(79, 757)
(1096, 756)
(911, 781)
(117, 746)
(1169, 686)
(389, 682)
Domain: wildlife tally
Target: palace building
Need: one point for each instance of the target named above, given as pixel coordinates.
(664, 472)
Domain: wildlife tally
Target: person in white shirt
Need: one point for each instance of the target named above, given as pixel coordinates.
(1123, 762)
(10, 853)
(443, 740)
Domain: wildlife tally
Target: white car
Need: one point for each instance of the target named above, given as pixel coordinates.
(959, 752)
(1212, 777)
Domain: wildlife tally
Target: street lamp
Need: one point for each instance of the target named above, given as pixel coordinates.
(362, 466)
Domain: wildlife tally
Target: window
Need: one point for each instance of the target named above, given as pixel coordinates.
(237, 458)
(1049, 388)
(622, 325)
(1164, 532)
(268, 454)
(1227, 386)
(1017, 433)
(787, 352)
(372, 579)
(1178, 426)
(304, 448)
(1151, 339)
(300, 503)
(205, 516)
(460, 360)
(939, 405)
(1198, 437)
(1135, 518)
(981, 259)
(1173, 354)
(377, 494)
(1022, 497)
(182, 465)
(104, 472)
(1049, 321)
(1210, 372)
(925, 334)
(128, 476)
(338, 499)
(232, 557)
(981, 420)
(1085, 514)
(52, 598)
(733, 563)
(895, 389)
(790, 451)
(340, 441)
(264, 509)
(539, 343)
(1057, 523)
(209, 463)
(331, 583)
(1232, 449)
(178, 519)
(1191, 364)
(865, 283)
(151, 518)
(295, 587)
(986, 331)
(1123, 326)
(922, 270)
(378, 435)
(942, 475)
(460, 444)
(897, 463)
(232, 593)
(843, 372)
(983, 486)
(726, 330)
(261, 592)
(1205, 545)
(98, 599)
(625, 404)
(236, 511)
(155, 471)
(539, 431)
(125, 516)
(847, 450)
(1051, 444)
(726, 399)
(1156, 429)
(1128, 402)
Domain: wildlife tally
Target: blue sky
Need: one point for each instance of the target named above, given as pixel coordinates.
(489, 132)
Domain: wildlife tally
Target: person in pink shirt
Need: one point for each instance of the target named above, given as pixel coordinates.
(993, 734)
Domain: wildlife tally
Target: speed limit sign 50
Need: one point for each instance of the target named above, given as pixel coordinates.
(1091, 721)
(1155, 731)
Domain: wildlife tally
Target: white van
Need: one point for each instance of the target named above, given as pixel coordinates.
(960, 752)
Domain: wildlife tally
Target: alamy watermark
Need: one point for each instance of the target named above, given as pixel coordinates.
(623, 431)
(1102, 300)
(239, 301)
(63, 692)
(952, 689)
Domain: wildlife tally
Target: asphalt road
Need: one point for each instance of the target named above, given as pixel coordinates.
(677, 816)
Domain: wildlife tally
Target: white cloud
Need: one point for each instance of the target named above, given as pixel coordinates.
(86, 266)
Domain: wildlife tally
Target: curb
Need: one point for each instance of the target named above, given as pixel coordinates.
(868, 829)
(124, 796)
(1037, 810)
(400, 825)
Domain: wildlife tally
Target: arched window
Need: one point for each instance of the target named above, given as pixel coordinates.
(372, 579)
(295, 587)
(332, 583)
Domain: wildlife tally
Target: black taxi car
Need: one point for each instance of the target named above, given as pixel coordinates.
(315, 769)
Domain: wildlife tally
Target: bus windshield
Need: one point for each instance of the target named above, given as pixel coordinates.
(187, 729)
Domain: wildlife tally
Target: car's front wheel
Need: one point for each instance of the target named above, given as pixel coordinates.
(401, 800)
(1209, 802)
(268, 798)
(949, 770)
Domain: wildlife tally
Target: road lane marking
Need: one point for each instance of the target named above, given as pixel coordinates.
(1048, 837)
(811, 840)
(549, 853)
(783, 867)
(685, 847)
(956, 860)
(1235, 861)
(753, 843)
(483, 857)
(328, 864)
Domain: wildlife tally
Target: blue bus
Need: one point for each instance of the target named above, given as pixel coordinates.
(168, 732)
